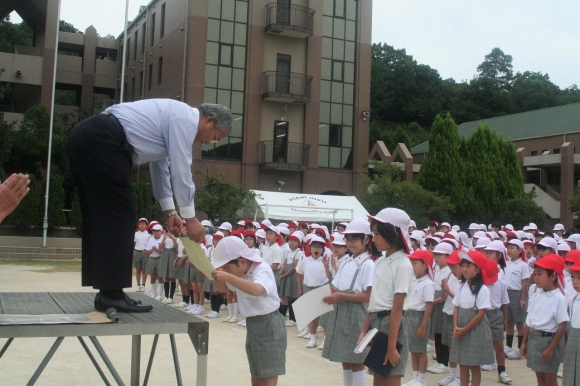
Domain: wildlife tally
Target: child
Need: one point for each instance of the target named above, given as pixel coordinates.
(497, 316)
(214, 297)
(153, 250)
(442, 271)
(392, 283)
(571, 258)
(543, 345)
(450, 286)
(471, 346)
(312, 274)
(419, 313)
(167, 266)
(250, 239)
(139, 259)
(350, 291)
(272, 255)
(242, 270)
(496, 251)
(571, 376)
(288, 278)
(517, 275)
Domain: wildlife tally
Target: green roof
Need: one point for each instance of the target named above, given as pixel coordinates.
(541, 123)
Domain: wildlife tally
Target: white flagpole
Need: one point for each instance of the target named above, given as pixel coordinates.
(121, 97)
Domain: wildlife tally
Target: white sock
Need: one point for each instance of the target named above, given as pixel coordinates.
(160, 291)
(347, 377)
(313, 337)
(230, 310)
(307, 329)
(359, 378)
(415, 375)
(453, 371)
(236, 310)
(421, 378)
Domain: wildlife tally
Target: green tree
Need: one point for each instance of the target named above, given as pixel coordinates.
(523, 210)
(533, 91)
(56, 199)
(443, 170)
(27, 213)
(14, 34)
(63, 26)
(141, 198)
(497, 65)
(220, 200)
(574, 203)
(76, 216)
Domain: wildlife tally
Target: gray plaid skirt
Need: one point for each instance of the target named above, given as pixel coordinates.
(571, 375)
(495, 319)
(516, 313)
(266, 342)
(414, 319)
(437, 315)
(475, 348)
(344, 327)
(166, 269)
(536, 346)
(208, 287)
(139, 259)
(382, 324)
(447, 334)
(153, 265)
(289, 285)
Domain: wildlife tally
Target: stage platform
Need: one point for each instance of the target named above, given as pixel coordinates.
(162, 320)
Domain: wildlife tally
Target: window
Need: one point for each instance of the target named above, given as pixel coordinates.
(143, 35)
(226, 55)
(152, 39)
(132, 89)
(335, 136)
(337, 71)
(340, 8)
(150, 80)
(160, 70)
(162, 26)
(141, 85)
(534, 153)
(128, 52)
(556, 151)
(136, 40)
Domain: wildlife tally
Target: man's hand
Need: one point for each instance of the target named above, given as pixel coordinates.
(174, 224)
(12, 191)
(195, 230)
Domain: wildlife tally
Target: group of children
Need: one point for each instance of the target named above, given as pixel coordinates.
(462, 293)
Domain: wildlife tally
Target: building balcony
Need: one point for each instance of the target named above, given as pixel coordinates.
(286, 87)
(289, 20)
(277, 155)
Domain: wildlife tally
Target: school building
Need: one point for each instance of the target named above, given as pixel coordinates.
(548, 145)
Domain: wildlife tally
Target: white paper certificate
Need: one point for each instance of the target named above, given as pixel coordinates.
(310, 306)
(197, 257)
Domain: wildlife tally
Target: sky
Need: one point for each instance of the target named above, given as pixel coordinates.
(451, 36)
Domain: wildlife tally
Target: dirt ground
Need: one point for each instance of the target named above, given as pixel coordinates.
(227, 363)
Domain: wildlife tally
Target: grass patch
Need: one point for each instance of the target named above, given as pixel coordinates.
(46, 265)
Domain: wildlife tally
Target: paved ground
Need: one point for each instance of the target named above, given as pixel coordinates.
(227, 364)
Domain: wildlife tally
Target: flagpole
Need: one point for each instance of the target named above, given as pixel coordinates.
(121, 97)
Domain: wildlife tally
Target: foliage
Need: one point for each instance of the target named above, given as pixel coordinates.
(391, 172)
(56, 201)
(574, 203)
(63, 26)
(392, 134)
(76, 216)
(521, 211)
(220, 200)
(419, 203)
(141, 199)
(497, 66)
(443, 170)
(2, 174)
(14, 34)
(28, 212)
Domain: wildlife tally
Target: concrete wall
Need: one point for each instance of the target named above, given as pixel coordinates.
(30, 68)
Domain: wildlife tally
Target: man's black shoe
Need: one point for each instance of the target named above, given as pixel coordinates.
(127, 304)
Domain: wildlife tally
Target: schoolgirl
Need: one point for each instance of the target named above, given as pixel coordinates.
(571, 373)
(517, 275)
(392, 283)
(496, 251)
(417, 241)
(312, 274)
(250, 239)
(431, 242)
(261, 240)
(543, 345)
(442, 271)
(339, 253)
(167, 266)
(496, 315)
(215, 296)
(450, 286)
(471, 327)
(350, 291)
(139, 259)
(419, 313)
(289, 278)
(272, 255)
(153, 250)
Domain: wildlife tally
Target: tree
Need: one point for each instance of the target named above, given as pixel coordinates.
(497, 65)
(63, 26)
(56, 217)
(574, 203)
(76, 216)
(533, 91)
(27, 213)
(220, 200)
(523, 210)
(141, 199)
(443, 170)
(14, 34)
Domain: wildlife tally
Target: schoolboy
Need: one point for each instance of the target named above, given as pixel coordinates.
(139, 259)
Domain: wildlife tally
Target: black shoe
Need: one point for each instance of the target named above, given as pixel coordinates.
(127, 304)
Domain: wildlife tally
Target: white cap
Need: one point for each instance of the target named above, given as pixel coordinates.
(205, 223)
(256, 225)
(398, 218)
(473, 226)
(358, 226)
(480, 235)
(525, 228)
(509, 227)
(274, 229)
(232, 247)
(574, 238)
(532, 226)
(226, 226)
(482, 242)
(242, 223)
(446, 224)
(493, 235)
(517, 243)
(283, 225)
(297, 235)
(412, 224)
(482, 227)
(456, 228)
(454, 243)
(502, 234)
(314, 226)
(157, 227)
(444, 248)
(559, 227)
(338, 239)
(564, 247)
(284, 231)
(521, 235)
(548, 242)
(463, 238)
(261, 233)
(495, 246)
(317, 239)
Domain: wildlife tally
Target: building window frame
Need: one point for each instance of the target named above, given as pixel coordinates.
(152, 31)
(162, 26)
(159, 70)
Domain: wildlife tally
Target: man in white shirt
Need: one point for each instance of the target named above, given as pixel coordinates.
(101, 151)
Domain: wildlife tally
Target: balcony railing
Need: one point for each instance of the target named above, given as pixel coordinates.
(289, 20)
(284, 155)
(287, 87)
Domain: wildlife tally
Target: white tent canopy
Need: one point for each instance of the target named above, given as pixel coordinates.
(306, 207)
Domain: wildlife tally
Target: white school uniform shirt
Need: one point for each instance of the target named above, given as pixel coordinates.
(272, 255)
(208, 240)
(498, 294)
(440, 274)
(347, 270)
(465, 299)
(265, 304)
(339, 262)
(169, 243)
(574, 309)
(393, 274)
(422, 291)
(293, 256)
(209, 252)
(285, 248)
(454, 285)
(313, 271)
(153, 242)
(546, 310)
(141, 239)
(515, 272)
(180, 248)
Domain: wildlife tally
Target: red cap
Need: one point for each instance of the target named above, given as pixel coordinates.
(427, 257)
(491, 274)
(292, 225)
(250, 233)
(475, 257)
(303, 224)
(555, 263)
(249, 222)
(573, 256)
(143, 219)
(454, 257)
(575, 267)
(237, 233)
